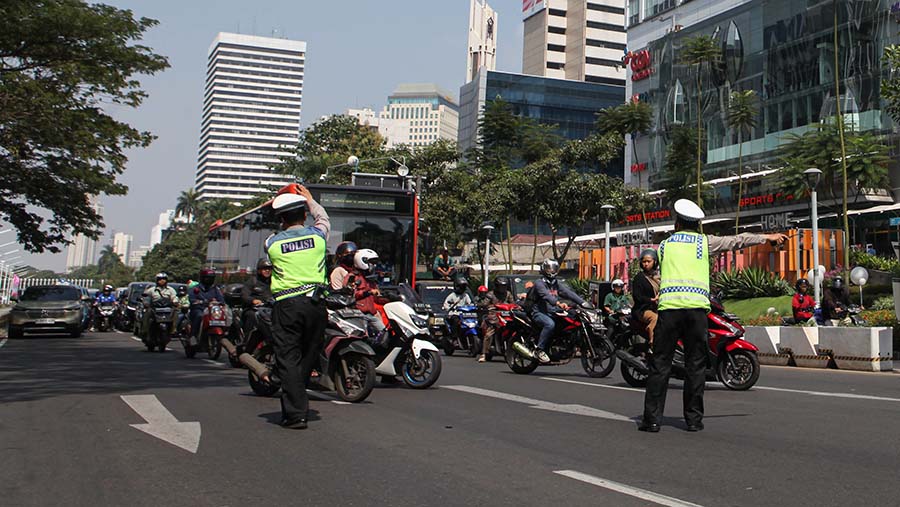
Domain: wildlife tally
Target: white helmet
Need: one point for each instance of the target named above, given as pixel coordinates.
(618, 283)
(288, 202)
(365, 259)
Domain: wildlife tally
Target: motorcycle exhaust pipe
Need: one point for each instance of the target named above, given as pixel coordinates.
(255, 366)
(227, 345)
(633, 361)
(522, 350)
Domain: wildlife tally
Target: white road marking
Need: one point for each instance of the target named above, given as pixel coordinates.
(214, 363)
(625, 489)
(3, 342)
(593, 384)
(830, 395)
(162, 424)
(135, 338)
(542, 405)
(324, 397)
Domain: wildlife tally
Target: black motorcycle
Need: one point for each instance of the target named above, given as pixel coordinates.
(159, 328)
(103, 316)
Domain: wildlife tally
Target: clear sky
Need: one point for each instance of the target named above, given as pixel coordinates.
(357, 52)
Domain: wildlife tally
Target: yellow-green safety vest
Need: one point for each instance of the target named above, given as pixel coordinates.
(298, 260)
(684, 272)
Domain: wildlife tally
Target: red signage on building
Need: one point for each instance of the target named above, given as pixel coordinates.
(638, 168)
(661, 214)
(640, 64)
(765, 199)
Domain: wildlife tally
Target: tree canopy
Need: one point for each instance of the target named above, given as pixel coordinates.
(62, 62)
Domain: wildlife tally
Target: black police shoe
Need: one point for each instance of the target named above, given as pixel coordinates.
(297, 424)
(649, 427)
(695, 427)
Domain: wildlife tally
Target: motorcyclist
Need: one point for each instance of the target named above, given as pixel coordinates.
(616, 300)
(836, 301)
(184, 305)
(366, 291)
(343, 256)
(546, 293)
(254, 294)
(645, 292)
(159, 295)
(487, 301)
(201, 295)
(803, 304)
(105, 297)
(460, 295)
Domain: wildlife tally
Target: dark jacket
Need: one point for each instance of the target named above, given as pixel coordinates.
(642, 292)
(248, 293)
(830, 301)
(548, 292)
(200, 296)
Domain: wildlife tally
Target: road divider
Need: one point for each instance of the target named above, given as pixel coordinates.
(625, 489)
(542, 405)
(845, 348)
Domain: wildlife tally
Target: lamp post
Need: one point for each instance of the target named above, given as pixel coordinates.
(813, 175)
(487, 253)
(606, 254)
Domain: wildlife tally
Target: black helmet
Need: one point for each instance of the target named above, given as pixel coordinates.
(207, 276)
(107, 288)
(182, 291)
(837, 283)
(263, 263)
(501, 284)
(162, 276)
(802, 282)
(344, 253)
(460, 285)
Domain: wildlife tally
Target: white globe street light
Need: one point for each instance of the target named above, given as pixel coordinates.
(813, 175)
(859, 276)
(606, 253)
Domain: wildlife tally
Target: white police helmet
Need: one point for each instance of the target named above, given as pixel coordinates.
(288, 202)
(688, 210)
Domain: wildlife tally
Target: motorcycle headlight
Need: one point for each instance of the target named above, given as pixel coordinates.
(418, 321)
(437, 321)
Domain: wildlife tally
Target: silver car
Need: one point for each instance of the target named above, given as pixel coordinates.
(45, 308)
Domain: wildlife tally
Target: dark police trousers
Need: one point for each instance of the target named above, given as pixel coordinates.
(692, 328)
(298, 332)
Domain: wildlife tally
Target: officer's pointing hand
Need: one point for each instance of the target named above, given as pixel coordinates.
(778, 239)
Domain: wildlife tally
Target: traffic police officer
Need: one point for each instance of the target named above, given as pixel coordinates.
(683, 308)
(298, 318)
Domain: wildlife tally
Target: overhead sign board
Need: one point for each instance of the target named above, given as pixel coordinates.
(775, 221)
(532, 7)
(631, 238)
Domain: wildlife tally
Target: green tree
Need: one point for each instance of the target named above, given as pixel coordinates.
(330, 142)
(890, 86)
(679, 172)
(108, 259)
(699, 50)
(178, 256)
(742, 110)
(62, 62)
(187, 204)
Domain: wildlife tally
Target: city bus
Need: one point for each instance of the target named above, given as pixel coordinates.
(383, 219)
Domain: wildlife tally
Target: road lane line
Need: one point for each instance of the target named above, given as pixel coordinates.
(625, 489)
(542, 405)
(135, 338)
(214, 363)
(829, 395)
(593, 384)
(3, 342)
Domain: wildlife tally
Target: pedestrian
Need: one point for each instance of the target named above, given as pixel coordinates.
(683, 308)
(441, 269)
(298, 254)
(645, 292)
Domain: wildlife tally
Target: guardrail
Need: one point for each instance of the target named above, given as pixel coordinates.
(845, 348)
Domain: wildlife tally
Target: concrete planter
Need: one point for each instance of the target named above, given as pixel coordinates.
(803, 341)
(774, 359)
(895, 283)
(811, 361)
(859, 348)
(766, 338)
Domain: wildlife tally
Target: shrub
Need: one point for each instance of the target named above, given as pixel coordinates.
(580, 286)
(763, 320)
(883, 303)
(875, 262)
(750, 283)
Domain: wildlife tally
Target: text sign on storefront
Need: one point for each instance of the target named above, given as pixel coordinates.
(631, 238)
(895, 221)
(775, 221)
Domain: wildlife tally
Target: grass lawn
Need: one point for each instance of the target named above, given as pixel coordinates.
(752, 308)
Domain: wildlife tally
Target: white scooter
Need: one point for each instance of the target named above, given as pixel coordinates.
(407, 351)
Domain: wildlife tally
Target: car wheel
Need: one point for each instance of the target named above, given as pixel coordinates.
(15, 332)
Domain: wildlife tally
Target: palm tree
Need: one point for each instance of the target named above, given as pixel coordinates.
(741, 117)
(188, 203)
(633, 117)
(840, 125)
(108, 260)
(695, 52)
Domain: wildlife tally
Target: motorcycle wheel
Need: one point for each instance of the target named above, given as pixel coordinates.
(517, 363)
(259, 387)
(162, 341)
(189, 351)
(448, 347)
(213, 347)
(359, 384)
(475, 346)
(603, 363)
(633, 377)
(421, 373)
(743, 375)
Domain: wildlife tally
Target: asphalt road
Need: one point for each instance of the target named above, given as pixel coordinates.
(483, 436)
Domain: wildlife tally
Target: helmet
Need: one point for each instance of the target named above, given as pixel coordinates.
(501, 284)
(207, 276)
(618, 283)
(550, 268)
(182, 291)
(365, 259)
(837, 283)
(482, 289)
(803, 282)
(107, 288)
(460, 285)
(160, 276)
(263, 263)
(345, 252)
(287, 202)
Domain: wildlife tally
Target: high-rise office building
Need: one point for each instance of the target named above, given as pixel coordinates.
(582, 40)
(251, 114)
(122, 245)
(163, 224)
(482, 38)
(392, 131)
(83, 250)
(423, 113)
(136, 258)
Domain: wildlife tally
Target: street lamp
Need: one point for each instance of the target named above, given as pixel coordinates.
(487, 253)
(813, 175)
(354, 161)
(606, 257)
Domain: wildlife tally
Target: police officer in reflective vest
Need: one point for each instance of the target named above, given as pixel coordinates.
(298, 317)
(683, 308)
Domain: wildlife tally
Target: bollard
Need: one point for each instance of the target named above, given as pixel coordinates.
(226, 343)
(255, 366)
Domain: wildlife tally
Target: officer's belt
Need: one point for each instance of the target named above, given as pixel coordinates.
(303, 289)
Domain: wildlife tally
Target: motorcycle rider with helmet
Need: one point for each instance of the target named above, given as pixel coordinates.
(487, 300)
(836, 301)
(546, 293)
(366, 291)
(343, 257)
(184, 305)
(460, 295)
(200, 297)
(802, 304)
(106, 297)
(255, 293)
(617, 299)
(160, 295)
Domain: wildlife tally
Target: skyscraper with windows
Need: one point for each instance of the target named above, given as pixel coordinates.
(251, 114)
(482, 38)
(582, 40)
(83, 250)
(423, 113)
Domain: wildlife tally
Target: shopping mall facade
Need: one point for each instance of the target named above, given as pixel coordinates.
(784, 51)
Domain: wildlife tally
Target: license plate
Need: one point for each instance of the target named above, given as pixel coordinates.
(44, 322)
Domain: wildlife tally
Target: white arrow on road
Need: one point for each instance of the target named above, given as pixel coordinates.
(542, 405)
(162, 424)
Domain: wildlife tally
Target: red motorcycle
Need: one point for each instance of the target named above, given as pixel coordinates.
(214, 326)
(508, 325)
(731, 360)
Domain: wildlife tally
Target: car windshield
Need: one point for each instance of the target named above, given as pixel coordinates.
(435, 295)
(51, 294)
(137, 290)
